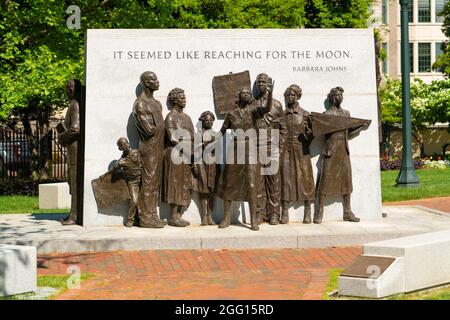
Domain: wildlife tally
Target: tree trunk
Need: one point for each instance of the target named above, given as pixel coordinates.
(419, 138)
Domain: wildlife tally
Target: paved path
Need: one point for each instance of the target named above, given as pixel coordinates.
(46, 233)
(441, 203)
(202, 274)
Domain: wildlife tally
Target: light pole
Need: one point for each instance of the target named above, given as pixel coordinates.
(407, 176)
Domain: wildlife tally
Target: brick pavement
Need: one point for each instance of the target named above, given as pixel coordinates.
(202, 274)
(441, 203)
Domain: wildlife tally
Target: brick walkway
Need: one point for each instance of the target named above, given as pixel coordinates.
(440, 204)
(202, 274)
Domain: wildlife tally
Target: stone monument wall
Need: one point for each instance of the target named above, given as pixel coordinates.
(315, 59)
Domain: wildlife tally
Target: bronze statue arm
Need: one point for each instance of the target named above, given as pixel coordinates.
(171, 127)
(354, 131)
(226, 125)
(72, 133)
(145, 120)
(308, 130)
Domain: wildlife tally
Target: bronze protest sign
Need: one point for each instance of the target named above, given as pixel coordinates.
(226, 88)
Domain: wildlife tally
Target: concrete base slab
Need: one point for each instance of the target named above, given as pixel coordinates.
(17, 269)
(427, 258)
(420, 261)
(54, 195)
(46, 233)
(389, 282)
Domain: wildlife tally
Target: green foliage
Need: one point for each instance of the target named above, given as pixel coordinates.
(430, 103)
(443, 61)
(338, 13)
(238, 14)
(39, 53)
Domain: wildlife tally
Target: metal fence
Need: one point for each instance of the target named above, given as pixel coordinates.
(19, 153)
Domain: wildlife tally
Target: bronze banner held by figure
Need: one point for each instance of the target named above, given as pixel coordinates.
(226, 87)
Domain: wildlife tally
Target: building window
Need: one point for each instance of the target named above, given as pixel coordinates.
(439, 5)
(424, 57)
(385, 60)
(424, 10)
(439, 49)
(411, 57)
(411, 11)
(384, 11)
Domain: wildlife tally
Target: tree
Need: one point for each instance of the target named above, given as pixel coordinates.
(429, 105)
(338, 13)
(443, 62)
(39, 53)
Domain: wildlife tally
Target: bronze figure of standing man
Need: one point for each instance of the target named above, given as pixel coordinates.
(269, 186)
(69, 139)
(150, 125)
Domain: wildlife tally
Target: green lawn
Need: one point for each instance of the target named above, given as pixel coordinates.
(433, 183)
(53, 281)
(24, 204)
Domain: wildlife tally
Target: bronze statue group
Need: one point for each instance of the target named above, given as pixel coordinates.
(151, 171)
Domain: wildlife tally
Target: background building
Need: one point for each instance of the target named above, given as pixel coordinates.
(425, 36)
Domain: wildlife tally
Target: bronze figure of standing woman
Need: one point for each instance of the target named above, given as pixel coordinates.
(177, 177)
(296, 169)
(336, 174)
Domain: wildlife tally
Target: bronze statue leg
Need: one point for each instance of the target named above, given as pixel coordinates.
(226, 214)
(273, 189)
(71, 219)
(348, 214)
(148, 195)
(203, 208)
(261, 198)
(210, 209)
(253, 214)
(252, 175)
(133, 189)
(285, 213)
(318, 215)
(307, 216)
(181, 210)
(175, 218)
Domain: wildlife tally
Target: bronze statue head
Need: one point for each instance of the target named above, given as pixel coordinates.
(336, 96)
(150, 81)
(177, 98)
(292, 94)
(123, 144)
(73, 89)
(262, 81)
(207, 118)
(244, 97)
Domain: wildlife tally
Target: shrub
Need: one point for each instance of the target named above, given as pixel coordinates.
(24, 187)
(395, 164)
(436, 164)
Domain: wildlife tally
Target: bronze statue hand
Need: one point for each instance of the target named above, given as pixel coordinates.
(195, 171)
(270, 84)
